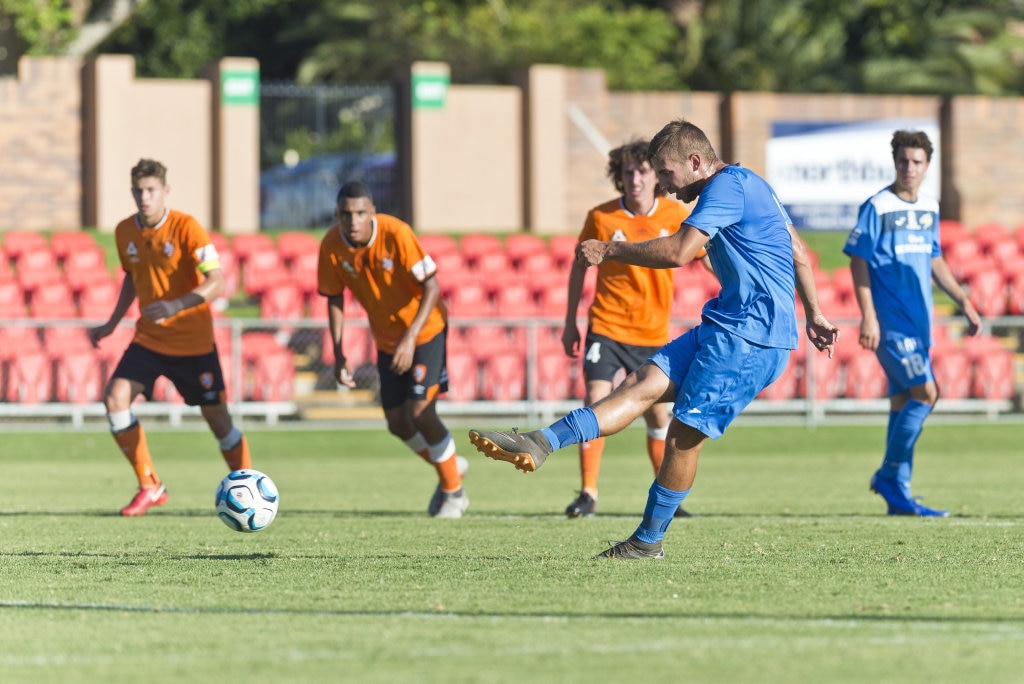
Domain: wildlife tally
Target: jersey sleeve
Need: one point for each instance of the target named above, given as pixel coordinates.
(589, 230)
(197, 245)
(861, 242)
(328, 281)
(414, 258)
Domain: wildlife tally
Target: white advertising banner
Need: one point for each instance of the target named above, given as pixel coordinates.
(823, 171)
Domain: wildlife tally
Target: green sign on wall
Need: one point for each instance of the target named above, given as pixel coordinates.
(429, 90)
(240, 87)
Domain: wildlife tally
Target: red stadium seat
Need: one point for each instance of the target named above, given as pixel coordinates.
(292, 244)
(262, 270)
(15, 340)
(520, 246)
(30, 378)
(563, 249)
(448, 262)
(438, 244)
(66, 243)
(539, 262)
(463, 377)
(54, 299)
(273, 377)
(17, 242)
(284, 301)
(864, 377)
(952, 371)
(993, 376)
(63, 340)
(491, 264)
(504, 377)
(469, 301)
(35, 267)
(515, 300)
(357, 344)
(246, 244)
(988, 234)
(556, 377)
(474, 245)
(987, 291)
(12, 300)
(78, 377)
(232, 272)
(827, 375)
(303, 269)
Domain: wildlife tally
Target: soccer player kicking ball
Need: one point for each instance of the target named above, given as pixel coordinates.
(174, 270)
(379, 259)
(714, 370)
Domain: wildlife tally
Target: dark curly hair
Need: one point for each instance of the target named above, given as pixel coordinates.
(912, 140)
(634, 151)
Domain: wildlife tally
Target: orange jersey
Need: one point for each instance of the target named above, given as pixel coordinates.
(386, 277)
(632, 303)
(165, 262)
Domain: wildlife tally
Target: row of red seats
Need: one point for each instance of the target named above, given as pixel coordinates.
(34, 371)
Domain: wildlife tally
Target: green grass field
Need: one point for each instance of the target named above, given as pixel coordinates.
(790, 572)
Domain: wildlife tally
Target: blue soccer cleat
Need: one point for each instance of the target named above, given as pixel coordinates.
(899, 503)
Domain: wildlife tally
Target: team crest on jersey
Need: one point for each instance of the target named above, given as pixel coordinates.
(419, 373)
(618, 236)
(387, 264)
(168, 249)
(348, 268)
(133, 253)
(206, 380)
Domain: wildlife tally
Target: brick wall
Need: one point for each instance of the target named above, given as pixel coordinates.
(41, 145)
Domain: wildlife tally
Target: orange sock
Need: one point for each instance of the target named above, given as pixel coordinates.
(237, 457)
(656, 452)
(133, 445)
(448, 474)
(590, 462)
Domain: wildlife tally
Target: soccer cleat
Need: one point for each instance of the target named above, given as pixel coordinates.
(897, 501)
(632, 549)
(453, 505)
(527, 451)
(584, 506)
(438, 497)
(143, 499)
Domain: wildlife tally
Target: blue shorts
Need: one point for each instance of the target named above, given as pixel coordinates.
(906, 362)
(716, 374)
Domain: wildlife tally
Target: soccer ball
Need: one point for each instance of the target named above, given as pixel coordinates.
(247, 500)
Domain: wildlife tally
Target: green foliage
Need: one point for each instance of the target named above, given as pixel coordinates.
(791, 572)
(916, 46)
(44, 26)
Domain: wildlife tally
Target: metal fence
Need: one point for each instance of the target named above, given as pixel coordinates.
(313, 138)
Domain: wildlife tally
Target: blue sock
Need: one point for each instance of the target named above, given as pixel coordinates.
(892, 421)
(903, 434)
(579, 425)
(661, 507)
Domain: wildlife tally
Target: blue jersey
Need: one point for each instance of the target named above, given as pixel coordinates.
(898, 240)
(751, 251)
